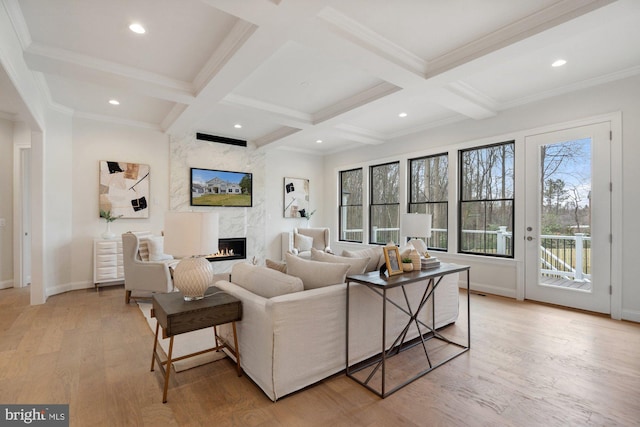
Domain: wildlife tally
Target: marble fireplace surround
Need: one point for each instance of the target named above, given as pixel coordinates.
(186, 152)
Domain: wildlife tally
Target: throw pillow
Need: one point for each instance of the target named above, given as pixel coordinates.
(302, 243)
(275, 265)
(264, 281)
(356, 265)
(316, 274)
(156, 249)
(374, 253)
(143, 249)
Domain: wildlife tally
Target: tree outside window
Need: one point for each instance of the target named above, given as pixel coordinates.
(384, 210)
(486, 208)
(428, 193)
(351, 229)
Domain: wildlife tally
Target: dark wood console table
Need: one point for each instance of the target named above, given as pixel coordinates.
(380, 284)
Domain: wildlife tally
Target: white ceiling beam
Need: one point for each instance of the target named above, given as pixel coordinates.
(72, 65)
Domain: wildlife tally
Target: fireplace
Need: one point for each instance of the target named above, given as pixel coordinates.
(228, 249)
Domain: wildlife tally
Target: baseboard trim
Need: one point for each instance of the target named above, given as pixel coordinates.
(66, 287)
(631, 315)
(6, 284)
(484, 288)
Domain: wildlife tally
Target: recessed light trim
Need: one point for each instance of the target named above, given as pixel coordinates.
(318, 141)
(237, 126)
(114, 102)
(137, 28)
(402, 115)
(558, 63)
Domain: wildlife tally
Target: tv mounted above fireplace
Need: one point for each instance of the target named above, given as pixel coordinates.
(210, 187)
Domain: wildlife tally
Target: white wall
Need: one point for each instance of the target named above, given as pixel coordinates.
(623, 95)
(6, 203)
(94, 141)
(281, 164)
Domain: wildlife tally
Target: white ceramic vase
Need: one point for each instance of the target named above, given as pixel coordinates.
(108, 235)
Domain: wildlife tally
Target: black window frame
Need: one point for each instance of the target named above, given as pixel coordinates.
(372, 198)
(341, 206)
(428, 204)
(462, 202)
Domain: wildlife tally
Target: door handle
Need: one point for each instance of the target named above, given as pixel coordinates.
(529, 238)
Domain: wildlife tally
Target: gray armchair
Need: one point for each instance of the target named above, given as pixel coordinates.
(139, 275)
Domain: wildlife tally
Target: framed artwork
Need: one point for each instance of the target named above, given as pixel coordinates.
(124, 189)
(296, 197)
(392, 259)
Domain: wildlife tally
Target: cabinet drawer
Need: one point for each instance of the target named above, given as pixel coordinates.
(106, 261)
(106, 273)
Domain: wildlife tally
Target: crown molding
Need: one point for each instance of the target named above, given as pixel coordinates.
(585, 84)
(358, 100)
(116, 120)
(372, 41)
(288, 115)
(274, 136)
(528, 26)
(19, 24)
(70, 64)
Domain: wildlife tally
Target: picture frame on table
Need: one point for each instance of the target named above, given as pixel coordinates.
(392, 260)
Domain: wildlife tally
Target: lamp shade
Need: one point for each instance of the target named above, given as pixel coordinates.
(416, 225)
(190, 233)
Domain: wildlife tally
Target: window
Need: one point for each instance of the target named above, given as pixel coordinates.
(351, 229)
(384, 211)
(486, 200)
(428, 193)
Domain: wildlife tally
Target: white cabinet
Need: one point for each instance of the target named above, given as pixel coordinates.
(107, 261)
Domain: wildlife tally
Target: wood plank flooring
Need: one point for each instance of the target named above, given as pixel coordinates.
(529, 365)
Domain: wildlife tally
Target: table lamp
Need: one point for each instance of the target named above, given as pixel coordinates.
(417, 225)
(191, 236)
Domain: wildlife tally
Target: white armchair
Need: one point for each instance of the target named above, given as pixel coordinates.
(301, 240)
(139, 275)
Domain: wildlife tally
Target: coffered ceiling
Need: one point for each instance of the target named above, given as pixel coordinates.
(293, 72)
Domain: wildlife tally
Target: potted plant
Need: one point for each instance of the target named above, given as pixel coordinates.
(109, 219)
(407, 264)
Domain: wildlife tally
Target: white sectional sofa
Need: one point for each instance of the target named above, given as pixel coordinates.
(291, 340)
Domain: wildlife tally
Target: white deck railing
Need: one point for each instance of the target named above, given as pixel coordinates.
(561, 256)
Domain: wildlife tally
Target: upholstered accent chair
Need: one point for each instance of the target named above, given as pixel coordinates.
(301, 240)
(141, 275)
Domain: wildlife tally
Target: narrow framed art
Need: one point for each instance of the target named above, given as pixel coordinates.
(124, 189)
(296, 197)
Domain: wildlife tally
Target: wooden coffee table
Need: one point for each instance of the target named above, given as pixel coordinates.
(177, 316)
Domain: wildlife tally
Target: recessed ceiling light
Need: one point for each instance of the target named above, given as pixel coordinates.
(402, 115)
(114, 102)
(137, 28)
(318, 141)
(237, 126)
(559, 63)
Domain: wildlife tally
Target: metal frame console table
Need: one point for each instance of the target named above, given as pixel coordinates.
(380, 284)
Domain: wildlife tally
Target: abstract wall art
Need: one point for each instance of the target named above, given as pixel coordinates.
(296, 197)
(124, 189)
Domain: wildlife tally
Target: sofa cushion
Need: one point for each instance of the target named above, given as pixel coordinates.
(316, 274)
(356, 265)
(276, 265)
(302, 243)
(263, 281)
(374, 253)
(155, 245)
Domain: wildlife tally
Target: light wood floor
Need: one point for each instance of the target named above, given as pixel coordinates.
(529, 365)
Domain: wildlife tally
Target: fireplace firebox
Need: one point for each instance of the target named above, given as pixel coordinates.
(228, 249)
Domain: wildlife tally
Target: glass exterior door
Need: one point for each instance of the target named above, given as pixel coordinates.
(567, 217)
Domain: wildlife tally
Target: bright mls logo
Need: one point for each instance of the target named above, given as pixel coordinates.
(37, 415)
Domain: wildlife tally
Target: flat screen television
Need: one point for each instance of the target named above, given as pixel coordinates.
(211, 187)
